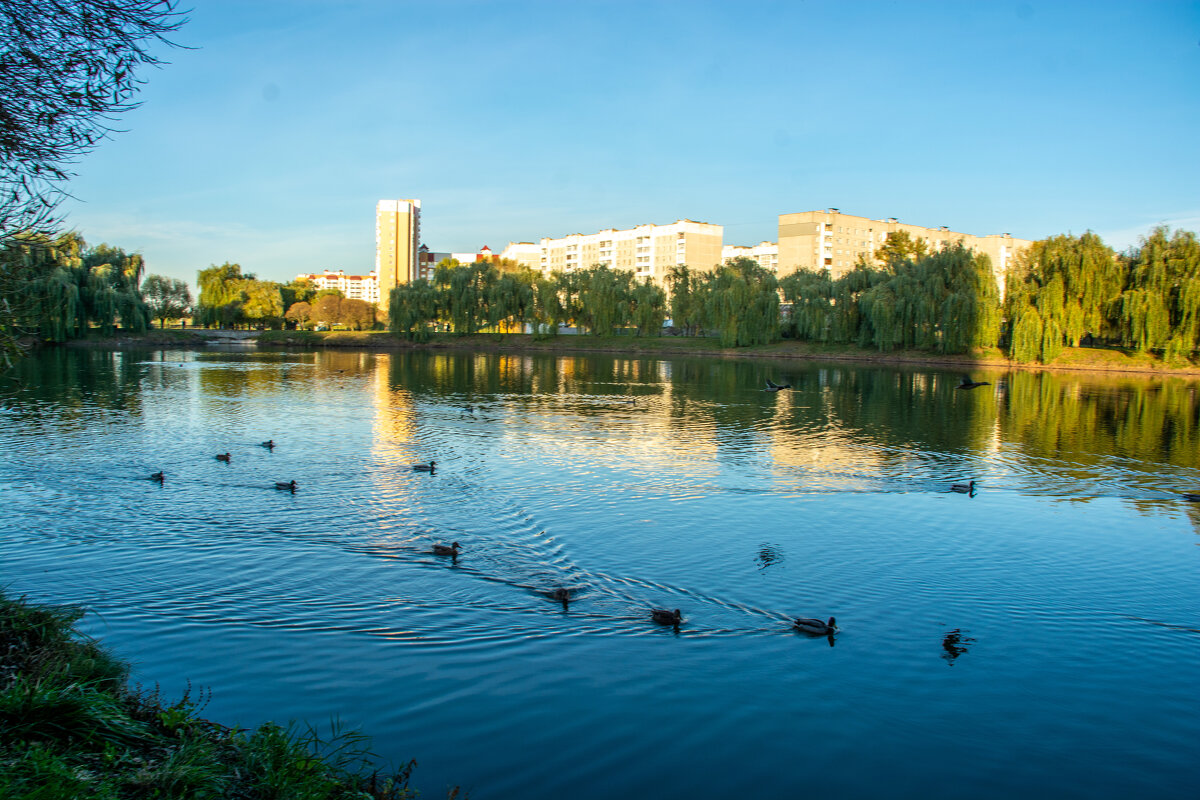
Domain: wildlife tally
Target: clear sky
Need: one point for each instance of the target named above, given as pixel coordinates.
(269, 142)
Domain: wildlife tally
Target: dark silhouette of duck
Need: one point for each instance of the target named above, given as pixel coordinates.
(158, 477)
(269, 444)
(815, 627)
(290, 486)
(561, 595)
(967, 383)
(664, 617)
(775, 387)
(963, 488)
(443, 550)
(1192, 496)
(424, 467)
(223, 457)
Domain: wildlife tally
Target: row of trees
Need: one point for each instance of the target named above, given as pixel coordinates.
(739, 301)
(1070, 290)
(229, 298)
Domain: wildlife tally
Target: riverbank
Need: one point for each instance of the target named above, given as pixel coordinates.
(73, 727)
(1080, 358)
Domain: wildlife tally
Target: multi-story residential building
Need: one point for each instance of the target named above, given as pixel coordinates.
(834, 241)
(397, 244)
(765, 253)
(649, 251)
(353, 287)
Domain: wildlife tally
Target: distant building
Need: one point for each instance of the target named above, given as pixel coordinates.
(397, 244)
(765, 253)
(649, 251)
(834, 241)
(353, 287)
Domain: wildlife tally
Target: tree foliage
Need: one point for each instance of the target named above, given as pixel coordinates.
(167, 298)
(67, 68)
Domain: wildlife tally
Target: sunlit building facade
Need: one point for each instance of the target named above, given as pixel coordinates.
(649, 251)
(352, 287)
(766, 254)
(834, 241)
(397, 244)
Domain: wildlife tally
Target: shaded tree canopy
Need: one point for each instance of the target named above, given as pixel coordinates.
(67, 68)
(167, 298)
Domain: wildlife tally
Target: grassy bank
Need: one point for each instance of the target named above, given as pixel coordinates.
(73, 727)
(1116, 360)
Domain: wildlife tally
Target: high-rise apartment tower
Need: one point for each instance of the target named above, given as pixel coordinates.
(397, 240)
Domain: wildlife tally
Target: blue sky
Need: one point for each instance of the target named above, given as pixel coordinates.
(269, 141)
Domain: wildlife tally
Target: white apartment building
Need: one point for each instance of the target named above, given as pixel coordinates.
(649, 251)
(766, 254)
(352, 287)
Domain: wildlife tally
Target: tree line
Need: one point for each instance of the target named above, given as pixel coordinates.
(1062, 291)
(229, 298)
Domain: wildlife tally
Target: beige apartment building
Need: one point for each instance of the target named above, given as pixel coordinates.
(649, 251)
(834, 241)
(397, 244)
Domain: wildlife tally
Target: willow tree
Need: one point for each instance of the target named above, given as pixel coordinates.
(687, 304)
(849, 324)
(1075, 285)
(604, 299)
(1160, 308)
(222, 295)
(548, 309)
(742, 303)
(649, 308)
(810, 294)
(413, 308)
(510, 297)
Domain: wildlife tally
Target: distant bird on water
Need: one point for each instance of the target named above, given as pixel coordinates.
(963, 488)
(443, 550)
(561, 595)
(269, 444)
(424, 467)
(290, 486)
(967, 383)
(158, 476)
(664, 617)
(775, 387)
(1193, 496)
(815, 626)
(223, 457)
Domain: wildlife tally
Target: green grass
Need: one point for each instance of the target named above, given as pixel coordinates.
(73, 728)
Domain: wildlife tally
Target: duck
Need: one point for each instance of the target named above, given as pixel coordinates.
(775, 387)
(967, 383)
(815, 626)
(443, 550)
(664, 617)
(1192, 496)
(290, 486)
(269, 444)
(158, 476)
(561, 595)
(424, 467)
(963, 488)
(223, 457)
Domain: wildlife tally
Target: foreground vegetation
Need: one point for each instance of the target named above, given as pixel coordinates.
(73, 727)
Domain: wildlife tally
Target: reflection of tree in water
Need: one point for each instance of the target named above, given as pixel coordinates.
(76, 379)
(769, 555)
(955, 644)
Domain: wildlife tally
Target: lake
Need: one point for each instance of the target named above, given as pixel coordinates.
(1040, 637)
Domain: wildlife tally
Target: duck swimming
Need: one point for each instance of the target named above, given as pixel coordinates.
(664, 617)
(815, 626)
(158, 476)
(290, 486)
(1192, 496)
(443, 550)
(775, 387)
(424, 467)
(963, 488)
(561, 595)
(223, 457)
(967, 383)
(269, 444)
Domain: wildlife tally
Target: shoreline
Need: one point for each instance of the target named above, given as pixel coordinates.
(1071, 360)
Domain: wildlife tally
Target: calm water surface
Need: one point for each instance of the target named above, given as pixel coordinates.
(1041, 638)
